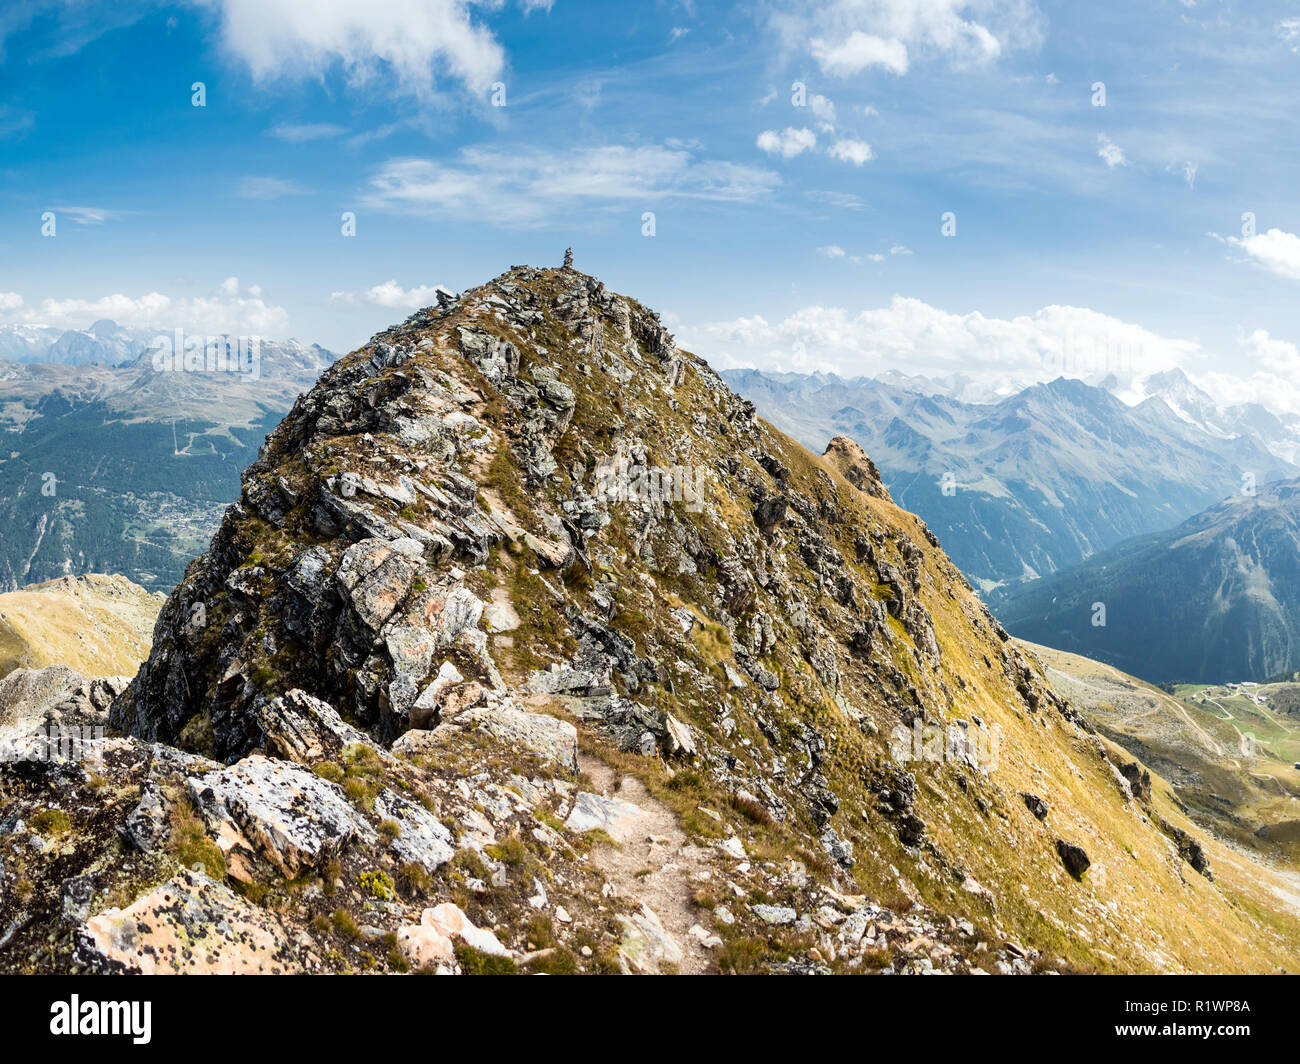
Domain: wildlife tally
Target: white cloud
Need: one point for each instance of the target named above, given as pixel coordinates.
(230, 309)
(1187, 169)
(822, 108)
(409, 41)
(1054, 341)
(857, 53)
(268, 188)
(1276, 250)
(852, 151)
(1109, 152)
(847, 37)
(834, 251)
(299, 133)
(842, 200)
(393, 295)
(900, 249)
(1267, 372)
(88, 215)
(1275, 356)
(529, 186)
(788, 143)
(1289, 31)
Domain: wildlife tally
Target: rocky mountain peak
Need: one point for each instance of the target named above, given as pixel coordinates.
(522, 543)
(859, 470)
(532, 488)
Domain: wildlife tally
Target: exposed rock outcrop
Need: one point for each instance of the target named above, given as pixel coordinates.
(520, 529)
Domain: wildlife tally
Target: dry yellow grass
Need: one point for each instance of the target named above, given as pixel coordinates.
(1140, 907)
(98, 625)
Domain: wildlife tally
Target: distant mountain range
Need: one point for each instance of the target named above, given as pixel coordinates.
(1042, 479)
(1197, 409)
(127, 469)
(1217, 598)
(105, 342)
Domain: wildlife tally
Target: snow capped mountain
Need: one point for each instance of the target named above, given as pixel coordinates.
(109, 344)
(956, 386)
(1280, 434)
(27, 343)
(104, 342)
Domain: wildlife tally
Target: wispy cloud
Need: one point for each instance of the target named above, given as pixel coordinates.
(834, 251)
(300, 133)
(71, 26)
(1188, 170)
(530, 186)
(1109, 152)
(1289, 32)
(88, 215)
(14, 121)
(268, 188)
(845, 201)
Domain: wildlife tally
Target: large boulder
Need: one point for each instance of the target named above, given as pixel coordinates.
(278, 812)
(188, 926)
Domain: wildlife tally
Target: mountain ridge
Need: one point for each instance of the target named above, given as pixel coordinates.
(522, 547)
(94, 624)
(1034, 482)
(1213, 599)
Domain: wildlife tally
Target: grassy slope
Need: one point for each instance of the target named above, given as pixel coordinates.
(1197, 751)
(1139, 907)
(98, 625)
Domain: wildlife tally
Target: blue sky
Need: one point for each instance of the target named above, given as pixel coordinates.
(785, 236)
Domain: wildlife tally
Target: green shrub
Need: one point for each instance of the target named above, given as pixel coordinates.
(51, 822)
(344, 924)
(379, 884)
(476, 962)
